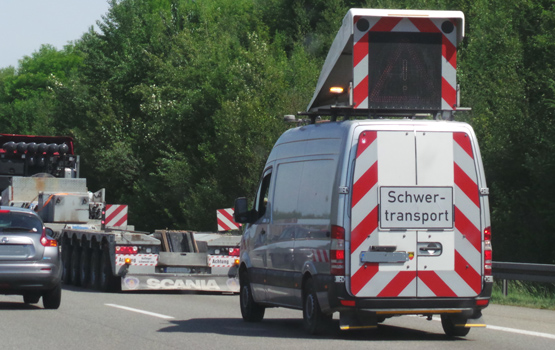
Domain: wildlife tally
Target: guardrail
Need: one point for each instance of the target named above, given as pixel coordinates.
(523, 272)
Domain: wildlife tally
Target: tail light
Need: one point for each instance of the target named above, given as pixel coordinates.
(233, 252)
(47, 242)
(337, 250)
(487, 252)
(123, 249)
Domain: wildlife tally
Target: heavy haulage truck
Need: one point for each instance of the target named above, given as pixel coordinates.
(381, 210)
(99, 249)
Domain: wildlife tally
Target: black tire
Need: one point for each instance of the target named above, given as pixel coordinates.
(52, 298)
(31, 298)
(250, 310)
(74, 268)
(66, 262)
(449, 326)
(315, 322)
(94, 276)
(107, 282)
(84, 267)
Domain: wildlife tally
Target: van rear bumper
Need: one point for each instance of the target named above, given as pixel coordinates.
(337, 299)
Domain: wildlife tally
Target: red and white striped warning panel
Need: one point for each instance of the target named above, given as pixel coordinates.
(415, 225)
(225, 220)
(221, 260)
(137, 259)
(116, 215)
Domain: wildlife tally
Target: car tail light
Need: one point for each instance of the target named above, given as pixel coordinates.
(234, 252)
(487, 252)
(47, 242)
(124, 249)
(337, 250)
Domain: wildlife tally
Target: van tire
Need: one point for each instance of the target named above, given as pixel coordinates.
(449, 327)
(315, 321)
(250, 310)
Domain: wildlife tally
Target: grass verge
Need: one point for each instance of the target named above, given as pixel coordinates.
(526, 294)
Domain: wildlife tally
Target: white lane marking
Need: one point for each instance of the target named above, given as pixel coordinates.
(513, 330)
(140, 311)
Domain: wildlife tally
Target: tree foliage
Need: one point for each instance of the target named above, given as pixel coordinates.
(175, 104)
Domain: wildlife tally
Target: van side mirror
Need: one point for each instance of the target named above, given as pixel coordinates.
(242, 214)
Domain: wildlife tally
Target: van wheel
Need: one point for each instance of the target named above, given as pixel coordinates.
(315, 322)
(250, 310)
(449, 326)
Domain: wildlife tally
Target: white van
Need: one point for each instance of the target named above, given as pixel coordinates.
(371, 219)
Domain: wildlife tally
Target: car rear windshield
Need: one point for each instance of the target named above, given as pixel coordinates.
(19, 222)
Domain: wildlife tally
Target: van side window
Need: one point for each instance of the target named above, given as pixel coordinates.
(262, 195)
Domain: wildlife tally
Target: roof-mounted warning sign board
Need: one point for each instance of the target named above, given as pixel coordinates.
(392, 60)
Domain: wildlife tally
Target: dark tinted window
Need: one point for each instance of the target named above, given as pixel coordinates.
(11, 221)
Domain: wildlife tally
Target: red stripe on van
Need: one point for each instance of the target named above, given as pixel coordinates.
(467, 273)
(436, 284)
(467, 185)
(364, 229)
(398, 284)
(362, 276)
(464, 141)
(365, 140)
(365, 183)
(467, 228)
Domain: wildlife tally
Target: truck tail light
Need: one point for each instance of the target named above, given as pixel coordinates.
(47, 242)
(234, 252)
(123, 249)
(337, 250)
(487, 252)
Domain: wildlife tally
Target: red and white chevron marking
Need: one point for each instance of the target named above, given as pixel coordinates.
(398, 24)
(320, 255)
(116, 215)
(373, 280)
(225, 220)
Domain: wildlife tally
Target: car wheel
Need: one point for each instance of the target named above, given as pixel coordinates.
(74, 270)
(84, 267)
(31, 298)
(250, 310)
(52, 298)
(94, 268)
(451, 329)
(315, 322)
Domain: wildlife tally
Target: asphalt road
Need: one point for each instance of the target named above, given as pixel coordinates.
(89, 320)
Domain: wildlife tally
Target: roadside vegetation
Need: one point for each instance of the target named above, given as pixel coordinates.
(525, 294)
(175, 104)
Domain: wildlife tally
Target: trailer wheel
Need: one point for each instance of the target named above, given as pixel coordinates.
(94, 276)
(74, 268)
(250, 310)
(66, 261)
(451, 329)
(84, 267)
(107, 280)
(315, 322)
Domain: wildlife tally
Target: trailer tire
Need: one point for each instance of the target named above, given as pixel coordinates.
(84, 267)
(74, 268)
(314, 320)
(107, 280)
(94, 276)
(66, 261)
(250, 310)
(449, 326)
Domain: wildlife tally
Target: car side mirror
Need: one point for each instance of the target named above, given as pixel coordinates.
(241, 212)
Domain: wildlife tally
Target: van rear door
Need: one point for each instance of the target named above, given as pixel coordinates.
(415, 215)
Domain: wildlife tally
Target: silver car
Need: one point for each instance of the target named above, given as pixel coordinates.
(30, 261)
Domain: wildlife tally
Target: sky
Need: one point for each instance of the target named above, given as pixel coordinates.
(25, 25)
